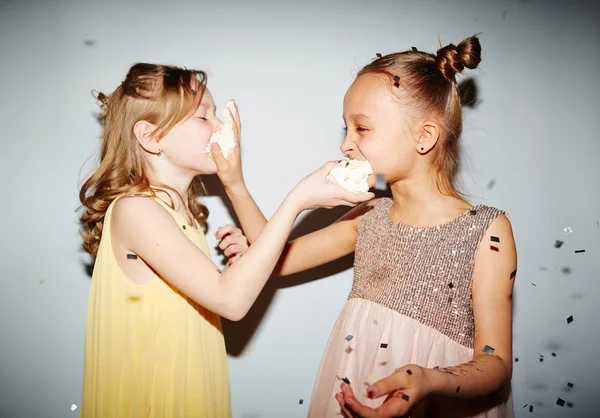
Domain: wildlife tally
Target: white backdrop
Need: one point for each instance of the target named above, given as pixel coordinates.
(531, 148)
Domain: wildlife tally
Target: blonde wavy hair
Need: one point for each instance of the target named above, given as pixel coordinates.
(159, 94)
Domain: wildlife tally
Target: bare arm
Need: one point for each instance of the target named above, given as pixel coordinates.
(308, 251)
(490, 370)
(149, 231)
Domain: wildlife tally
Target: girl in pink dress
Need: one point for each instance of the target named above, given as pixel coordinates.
(431, 299)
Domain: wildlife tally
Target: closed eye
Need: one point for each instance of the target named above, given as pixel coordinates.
(201, 118)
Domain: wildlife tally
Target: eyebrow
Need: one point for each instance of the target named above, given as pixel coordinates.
(357, 116)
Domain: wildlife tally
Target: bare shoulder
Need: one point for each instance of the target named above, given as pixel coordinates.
(134, 211)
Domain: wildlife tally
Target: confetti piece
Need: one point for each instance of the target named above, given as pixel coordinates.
(378, 55)
(457, 389)
(73, 407)
(414, 48)
(248, 351)
(134, 298)
(132, 257)
(405, 397)
(89, 42)
(568, 230)
(553, 354)
(570, 384)
(346, 380)
(383, 363)
(472, 212)
(525, 406)
(450, 285)
(570, 404)
(349, 350)
(383, 345)
(513, 274)
(491, 184)
(409, 372)
(516, 359)
(558, 244)
(301, 401)
(530, 408)
(579, 251)
(396, 81)
(570, 319)
(495, 239)
(534, 284)
(541, 359)
(560, 402)
(494, 248)
(488, 350)
(219, 270)
(349, 337)
(42, 281)
(183, 226)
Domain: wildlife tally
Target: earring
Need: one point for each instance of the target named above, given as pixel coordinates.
(422, 149)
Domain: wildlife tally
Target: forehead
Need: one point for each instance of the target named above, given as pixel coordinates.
(368, 91)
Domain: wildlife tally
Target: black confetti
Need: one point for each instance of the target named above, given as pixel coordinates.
(409, 372)
(525, 406)
(570, 319)
(346, 380)
(534, 284)
(495, 239)
(378, 55)
(541, 359)
(89, 42)
(513, 274)
(349, 337)
(405, 397)
(488, 350)
(184, 227)
(558, 244)
(579, 251)
(301, 401)
(132, 257)
(570, 384)
(472, 212)
(491, 184)
(396, 81)
(560, 402)
(219, 270)
(553, 354)
(414, 48)
(570, 404)
(450, 285)
(516, 359)
(383, 345)
(530, 408)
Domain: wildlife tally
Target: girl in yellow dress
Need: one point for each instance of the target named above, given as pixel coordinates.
(154, 345)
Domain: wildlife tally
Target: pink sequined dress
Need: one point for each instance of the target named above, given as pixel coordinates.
(410, 303)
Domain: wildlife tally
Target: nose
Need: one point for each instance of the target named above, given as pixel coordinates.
(217, 125)
(347, 146)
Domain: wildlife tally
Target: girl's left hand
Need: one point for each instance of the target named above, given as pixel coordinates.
(405, 388)
(233, 242)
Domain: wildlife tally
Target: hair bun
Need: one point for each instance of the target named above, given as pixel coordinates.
(453, 59)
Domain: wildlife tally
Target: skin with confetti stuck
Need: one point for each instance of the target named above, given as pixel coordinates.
(152, 262)
(395, 120)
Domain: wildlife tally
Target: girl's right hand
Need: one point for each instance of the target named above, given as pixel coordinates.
(230, 170)
(315, 191)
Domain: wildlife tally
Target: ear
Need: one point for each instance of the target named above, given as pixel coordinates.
(428, 135)
(143, 132)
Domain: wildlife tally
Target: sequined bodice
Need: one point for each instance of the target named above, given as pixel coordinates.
(423, 273)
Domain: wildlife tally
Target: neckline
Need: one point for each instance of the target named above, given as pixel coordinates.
(164, 204)
(425, 228)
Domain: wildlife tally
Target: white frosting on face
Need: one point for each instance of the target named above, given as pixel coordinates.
(225, 136)
(351, 175)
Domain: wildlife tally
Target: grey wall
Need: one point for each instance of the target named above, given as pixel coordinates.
(534, 132)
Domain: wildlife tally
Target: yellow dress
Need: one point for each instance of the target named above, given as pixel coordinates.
(149, 350)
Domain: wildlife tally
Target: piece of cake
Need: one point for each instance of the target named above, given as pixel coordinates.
(224, 137)
(351, 175)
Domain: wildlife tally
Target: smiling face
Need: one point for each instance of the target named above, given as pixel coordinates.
(185, 144)
(377, 129)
